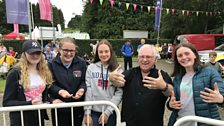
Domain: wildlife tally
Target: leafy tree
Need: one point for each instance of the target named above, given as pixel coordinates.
(101, 21)
(4, 27)
(75, 22)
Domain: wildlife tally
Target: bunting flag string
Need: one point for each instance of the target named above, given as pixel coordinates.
(167, 10)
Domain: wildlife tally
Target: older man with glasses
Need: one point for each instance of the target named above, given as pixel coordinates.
(145, 90)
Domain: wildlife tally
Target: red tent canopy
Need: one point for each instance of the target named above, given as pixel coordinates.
(14, 35)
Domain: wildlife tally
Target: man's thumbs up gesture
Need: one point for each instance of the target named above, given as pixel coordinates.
(117, 78)
(212, 96)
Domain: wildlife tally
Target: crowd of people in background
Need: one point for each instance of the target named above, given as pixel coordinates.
(56, 74)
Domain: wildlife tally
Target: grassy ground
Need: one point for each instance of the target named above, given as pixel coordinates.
(2, 85)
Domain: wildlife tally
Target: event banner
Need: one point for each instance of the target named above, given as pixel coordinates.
(157, 16)
(17, 12)
(45, 9)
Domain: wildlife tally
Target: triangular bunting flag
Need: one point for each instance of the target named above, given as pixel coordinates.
(91, 1)
(183, 11)
(134, 6)
(167, 11)
(127, 5)
(141, 8)
(112, 3)
(101, 2)
(197, 13)
(188, 13)
(210, 13)
(173, 10)
(149, 8)
(119, 4)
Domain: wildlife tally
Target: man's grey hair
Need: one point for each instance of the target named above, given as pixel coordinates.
(152, 47)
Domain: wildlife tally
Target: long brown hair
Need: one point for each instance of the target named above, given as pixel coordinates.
(180, 70)
(112, 63)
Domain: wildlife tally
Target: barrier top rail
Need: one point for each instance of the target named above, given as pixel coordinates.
(64, 105)
(210, 121)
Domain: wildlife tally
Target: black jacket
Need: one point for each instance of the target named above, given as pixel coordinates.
(142, 106)
(70, 79)
(14, 96)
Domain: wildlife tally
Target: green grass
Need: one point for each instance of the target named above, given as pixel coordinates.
(69, 30)
(2, 85)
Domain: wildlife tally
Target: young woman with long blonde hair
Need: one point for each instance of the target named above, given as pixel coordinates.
(27, 83)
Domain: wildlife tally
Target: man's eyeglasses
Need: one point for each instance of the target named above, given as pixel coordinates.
(146, 57)
(68, 51)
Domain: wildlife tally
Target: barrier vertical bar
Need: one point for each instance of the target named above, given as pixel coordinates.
(72, 116)
(102, 119)
(22, 119)
(56, 116)
(4, 119)
(39, 117)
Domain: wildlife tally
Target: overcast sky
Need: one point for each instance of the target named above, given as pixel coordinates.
(68, 7)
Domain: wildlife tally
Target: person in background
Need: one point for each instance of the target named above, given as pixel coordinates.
(69, 71)
(3, 50)
(197, 89)
(27, 83)
(6, 62)
(100, 88)
(50, 44)
(12, 52)
(212, 62)
(145, 90)
(49, 55)
(164, 51)
(127, 50)
(140, 45)
(87, 59)
(169, 51)
(55, 52)
(94, 48)
(158, 49)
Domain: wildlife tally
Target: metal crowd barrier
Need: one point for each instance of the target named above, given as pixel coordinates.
(204, 120)
(61, 105)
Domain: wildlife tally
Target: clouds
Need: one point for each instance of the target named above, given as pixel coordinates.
(70, 8)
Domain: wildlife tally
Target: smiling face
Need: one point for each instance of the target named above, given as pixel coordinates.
(104, 53)
(185, 57)
(67, 51)
(146, 58)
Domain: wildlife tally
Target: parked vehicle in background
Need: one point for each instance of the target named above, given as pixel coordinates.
(204, 55)
(202, 41)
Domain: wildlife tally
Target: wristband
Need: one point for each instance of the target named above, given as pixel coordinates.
(164, 89)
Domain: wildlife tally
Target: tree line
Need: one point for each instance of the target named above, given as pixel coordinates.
(102, 21)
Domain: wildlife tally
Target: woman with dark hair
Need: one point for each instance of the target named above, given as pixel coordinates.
(197, 89)
(100, 88)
